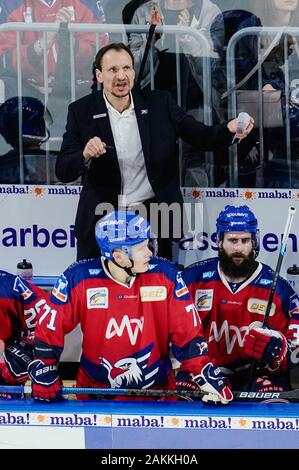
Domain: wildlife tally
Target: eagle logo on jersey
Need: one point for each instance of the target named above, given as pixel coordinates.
(94, 272)
(22, 289)
(128, 372)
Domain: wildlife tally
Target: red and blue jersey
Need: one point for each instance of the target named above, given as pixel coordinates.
(20, 303)
(227, 311)
(127, 328)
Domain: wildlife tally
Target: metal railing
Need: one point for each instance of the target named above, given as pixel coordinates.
(232, 97)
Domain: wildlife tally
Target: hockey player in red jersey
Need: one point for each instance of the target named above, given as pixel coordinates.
(231, 294)
(131, 306)
(20, 302)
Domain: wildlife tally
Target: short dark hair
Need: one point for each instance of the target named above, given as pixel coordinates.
(116, 46)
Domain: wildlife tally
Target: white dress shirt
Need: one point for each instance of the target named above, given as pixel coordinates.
(135, 186)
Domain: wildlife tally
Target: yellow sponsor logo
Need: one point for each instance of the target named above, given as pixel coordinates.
(153, 293)
(259, 306)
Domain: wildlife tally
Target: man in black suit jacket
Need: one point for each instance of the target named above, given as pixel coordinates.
(123, 142)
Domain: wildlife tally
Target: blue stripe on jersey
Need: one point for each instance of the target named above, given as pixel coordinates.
(202, 271)
(195, 348)
(44, 350)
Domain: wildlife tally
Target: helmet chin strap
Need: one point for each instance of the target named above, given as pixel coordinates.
(128, 270)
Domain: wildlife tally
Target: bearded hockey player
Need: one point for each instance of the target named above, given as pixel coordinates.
(131, 306)
(20, 303)
(231, 294)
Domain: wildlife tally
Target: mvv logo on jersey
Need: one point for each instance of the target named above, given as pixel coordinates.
(97, 297)
(204, 299)
(259, 306)
(153, 293)
(130, 325)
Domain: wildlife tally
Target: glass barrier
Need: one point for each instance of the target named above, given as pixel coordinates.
(201, 51)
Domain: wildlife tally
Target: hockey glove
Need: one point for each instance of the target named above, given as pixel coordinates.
(267, 346)
(185, 382)
(46, 383)
(214, 384)
(17, 356)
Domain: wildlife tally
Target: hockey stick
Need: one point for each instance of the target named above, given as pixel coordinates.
(292, 395)
(282, 251)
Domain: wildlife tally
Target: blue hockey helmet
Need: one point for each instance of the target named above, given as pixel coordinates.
(35, 117)
(238, 219)
(122, 230)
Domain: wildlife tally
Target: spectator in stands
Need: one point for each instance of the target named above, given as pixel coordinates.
(26, 162)
(55, 46)
(122, 141)
(203, 16)
(274, 13)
